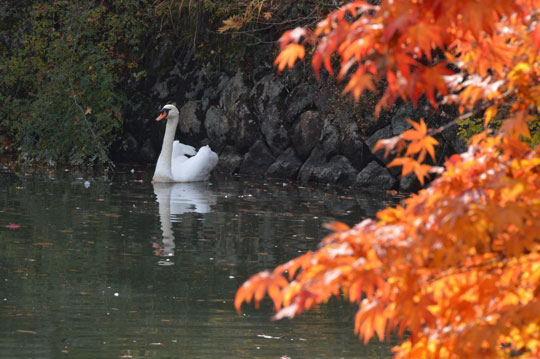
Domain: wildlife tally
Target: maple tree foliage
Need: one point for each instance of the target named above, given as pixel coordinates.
(455, 269)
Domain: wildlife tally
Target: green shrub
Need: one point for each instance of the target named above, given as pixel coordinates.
(60, 98)
(473, 126)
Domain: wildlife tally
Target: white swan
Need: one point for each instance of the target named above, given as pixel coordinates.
(173, 165)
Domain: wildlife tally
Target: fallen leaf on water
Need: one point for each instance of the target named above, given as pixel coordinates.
(26, 331)
(43, 244)
(13, 226)
(267, 336)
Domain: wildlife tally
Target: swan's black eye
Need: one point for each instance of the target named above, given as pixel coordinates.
(164, 110)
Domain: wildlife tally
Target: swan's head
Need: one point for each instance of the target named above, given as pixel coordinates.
(168, 111)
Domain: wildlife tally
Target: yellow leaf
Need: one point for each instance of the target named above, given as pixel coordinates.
(489, 114)
(235, 22)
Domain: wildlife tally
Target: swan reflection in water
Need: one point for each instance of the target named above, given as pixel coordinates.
(175, 199)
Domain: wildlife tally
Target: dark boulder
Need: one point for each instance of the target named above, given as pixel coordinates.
(375, 177)
(381, 134)
(267, 91)
(337, 170)
(247, 127)
(189, 124)
(286, 165)
(301, 99)
(306, 133)
(229, 161)
(257, 161)
(273, 131)
(410, 183)
(218, 127)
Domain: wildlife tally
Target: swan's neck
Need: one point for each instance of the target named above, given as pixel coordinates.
(163, 167)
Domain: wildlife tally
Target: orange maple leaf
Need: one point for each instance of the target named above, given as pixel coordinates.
(421, 146)
(359, 82)
(289, 55)
(516, 126)
(419, 131)
(433, 78)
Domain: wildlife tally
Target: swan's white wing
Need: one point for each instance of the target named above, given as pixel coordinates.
(179, 149)
(196, 168)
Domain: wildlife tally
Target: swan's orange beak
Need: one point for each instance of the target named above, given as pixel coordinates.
(162, 116)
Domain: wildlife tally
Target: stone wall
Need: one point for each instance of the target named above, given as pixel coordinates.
(286, 126)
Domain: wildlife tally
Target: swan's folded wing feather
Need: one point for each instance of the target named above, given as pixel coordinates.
(196, 168)
(179, 149)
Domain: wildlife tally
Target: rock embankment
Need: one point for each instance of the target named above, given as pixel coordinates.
(281, 126)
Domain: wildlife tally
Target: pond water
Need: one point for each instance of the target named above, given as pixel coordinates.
(115, 267)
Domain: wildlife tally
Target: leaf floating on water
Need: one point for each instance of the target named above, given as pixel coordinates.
(267, 336)
(115, 215)
(66, 230)
(23, 331)
(13, 226)
(43, 244)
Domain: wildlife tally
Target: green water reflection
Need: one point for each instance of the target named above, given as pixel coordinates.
(94, 267)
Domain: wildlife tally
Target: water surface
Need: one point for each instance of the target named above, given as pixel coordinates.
(115, 267)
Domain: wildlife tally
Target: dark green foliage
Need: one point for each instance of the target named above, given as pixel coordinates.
(62, 64)
(68, 69)
(473, 126)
